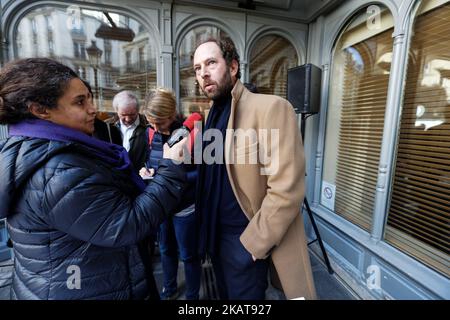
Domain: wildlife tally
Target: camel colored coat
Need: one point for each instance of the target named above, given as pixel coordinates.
(270, 190)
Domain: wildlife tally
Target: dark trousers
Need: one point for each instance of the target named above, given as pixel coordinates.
(238, 277)
(177, 237)
(146, 248)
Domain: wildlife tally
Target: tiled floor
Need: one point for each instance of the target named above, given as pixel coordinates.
(328, 287)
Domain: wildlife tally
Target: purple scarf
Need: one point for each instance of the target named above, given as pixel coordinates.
(113, 154)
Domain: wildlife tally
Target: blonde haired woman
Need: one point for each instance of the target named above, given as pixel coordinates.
(177, 234)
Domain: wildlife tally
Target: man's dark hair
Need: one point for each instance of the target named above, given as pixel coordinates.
(34, 80)
(251, 87)
(229, 51)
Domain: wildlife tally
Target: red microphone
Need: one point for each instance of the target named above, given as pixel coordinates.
(185, 130)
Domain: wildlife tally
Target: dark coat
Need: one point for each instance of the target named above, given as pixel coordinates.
(138, 141)
(107, 132)
(69, 212)
(154, 155)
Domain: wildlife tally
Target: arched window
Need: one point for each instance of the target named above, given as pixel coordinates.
(191, 97)
(86, 41)
(270, 57)
(355, 119)
(419, 215)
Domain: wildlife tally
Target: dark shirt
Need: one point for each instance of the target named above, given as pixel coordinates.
(216, 204)
(101, 132)
(156, 150)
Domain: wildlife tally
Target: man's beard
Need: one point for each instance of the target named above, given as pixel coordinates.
(222, 90)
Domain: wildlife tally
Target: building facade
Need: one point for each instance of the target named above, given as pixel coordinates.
(378, 166)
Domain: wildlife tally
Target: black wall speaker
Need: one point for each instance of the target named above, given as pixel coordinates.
(303, 88)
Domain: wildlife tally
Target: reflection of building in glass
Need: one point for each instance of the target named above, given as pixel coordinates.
(270, 58)
(360, 80)
(65, 34)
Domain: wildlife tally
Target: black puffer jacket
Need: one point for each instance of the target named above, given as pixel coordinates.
(70, 214)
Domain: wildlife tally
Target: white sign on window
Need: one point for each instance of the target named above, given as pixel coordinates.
(328, 194)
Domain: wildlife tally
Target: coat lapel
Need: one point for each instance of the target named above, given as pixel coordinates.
(236, 94)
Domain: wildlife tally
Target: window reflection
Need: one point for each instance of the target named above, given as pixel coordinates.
(434, 84)
(418, 218)
(270, 58)
(64, 34)
(355, 118)
(354, 58)
(428, 123)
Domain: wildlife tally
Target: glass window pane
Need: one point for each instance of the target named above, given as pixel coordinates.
(67, 33)
(270, 58)
(419, 214)
(191, 96)
(355, 118)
